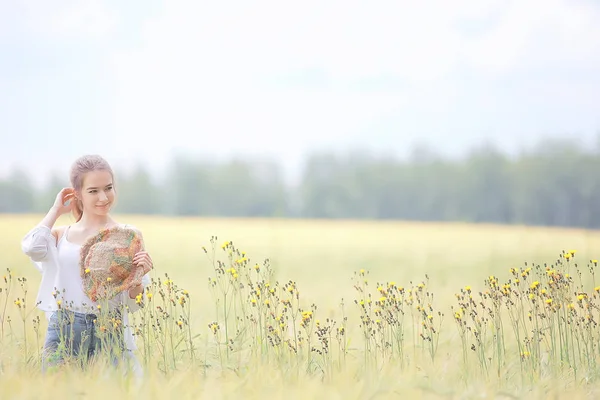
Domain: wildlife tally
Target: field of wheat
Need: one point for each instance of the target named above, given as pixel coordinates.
(243, 308)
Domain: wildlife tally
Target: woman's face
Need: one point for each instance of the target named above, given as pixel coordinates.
(97, 192)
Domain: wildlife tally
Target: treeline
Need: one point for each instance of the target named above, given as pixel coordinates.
(557, 184)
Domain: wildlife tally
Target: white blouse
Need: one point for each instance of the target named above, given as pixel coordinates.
(40, 246)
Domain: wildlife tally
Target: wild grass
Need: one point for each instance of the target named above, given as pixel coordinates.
(306, 309)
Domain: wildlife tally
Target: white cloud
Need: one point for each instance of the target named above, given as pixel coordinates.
(534, 33)
(69, 19)
(207, 68)
(419, 41)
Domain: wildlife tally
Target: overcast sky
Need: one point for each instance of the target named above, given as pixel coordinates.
(139, 80)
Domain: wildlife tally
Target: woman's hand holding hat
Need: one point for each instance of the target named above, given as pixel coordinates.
(142, 259)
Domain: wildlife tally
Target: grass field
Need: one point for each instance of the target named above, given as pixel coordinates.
(324, 260)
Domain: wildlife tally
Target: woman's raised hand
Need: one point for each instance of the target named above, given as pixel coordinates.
(64, 201)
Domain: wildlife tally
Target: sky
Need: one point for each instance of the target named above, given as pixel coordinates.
(140, 81)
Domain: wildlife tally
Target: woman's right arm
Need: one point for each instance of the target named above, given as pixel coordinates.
(36, 242)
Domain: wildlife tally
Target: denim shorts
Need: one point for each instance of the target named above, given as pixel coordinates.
(80, 338)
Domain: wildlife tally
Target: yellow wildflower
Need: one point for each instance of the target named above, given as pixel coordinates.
(534, 285)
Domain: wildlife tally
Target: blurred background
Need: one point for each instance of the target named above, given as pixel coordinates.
(476, 111)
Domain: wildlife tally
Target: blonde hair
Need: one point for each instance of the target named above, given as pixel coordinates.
(79, 169)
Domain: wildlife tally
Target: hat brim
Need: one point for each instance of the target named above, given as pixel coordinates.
(106, 263)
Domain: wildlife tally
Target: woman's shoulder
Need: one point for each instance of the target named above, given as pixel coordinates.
(58, 231)
(126, 225)
(130, 226)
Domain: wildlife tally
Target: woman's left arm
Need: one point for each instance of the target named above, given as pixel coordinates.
(131, 297)
(144, 261)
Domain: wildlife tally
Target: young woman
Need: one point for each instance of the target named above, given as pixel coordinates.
(73, 327)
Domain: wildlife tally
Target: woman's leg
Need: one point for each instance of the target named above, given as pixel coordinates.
(65, 337)
(52, 353)
(108, 339)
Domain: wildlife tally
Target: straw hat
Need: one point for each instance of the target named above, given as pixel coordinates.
(106, 263)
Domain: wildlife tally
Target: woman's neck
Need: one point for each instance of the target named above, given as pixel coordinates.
(95, 222)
